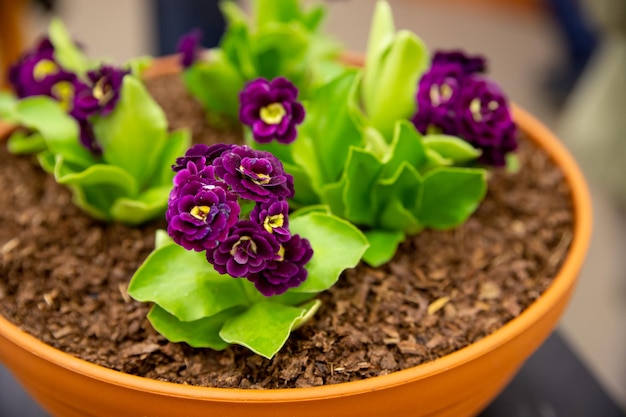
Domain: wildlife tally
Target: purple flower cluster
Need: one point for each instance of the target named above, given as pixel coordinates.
(189, 47)
(455, 98)
(204, 215)
(271, 110)
(38, 73)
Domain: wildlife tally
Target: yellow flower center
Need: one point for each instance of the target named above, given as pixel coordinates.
(242, 239)
(281, 253)
(440, 93)
(273, 114)
(271, 222)
(476, 107)
(200, 212)
(44, 68)
(102, 92)
(63, 91)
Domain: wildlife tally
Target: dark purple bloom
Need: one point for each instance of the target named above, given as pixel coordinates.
(102, 94)
(36, 71)
(189, 47)
(271, 110)
(485, 121)
(201, 154)
(287, 271)
(247, 250)
(469, 64)
(437, 92)
(201, 214)
(254, 175)
(273, 216)
(454, 99)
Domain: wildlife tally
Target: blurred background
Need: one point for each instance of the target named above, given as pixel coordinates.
(563, 60)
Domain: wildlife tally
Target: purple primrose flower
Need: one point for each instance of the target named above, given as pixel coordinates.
(287, 271)
(254, 175)
(189, 47)
(201, 214)
(485, 121)
(36, 71)
(247, 250)
(102, 94)
(469, 64)
(271, 110)
(455, 99)
(274, 217)
(201, 154)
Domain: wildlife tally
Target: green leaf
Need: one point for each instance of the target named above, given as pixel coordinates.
(450, 196)
(407, 147)
(66, 52)
(233, 13)
(59, 130)
(362, 170)
(184, 284)
(134, 134)
(337, 245)
(394, 198)
(329, 120)
(161, 238)
(452, 148)
(264, 327)
(47, 160)
(7, 105)
(96, 188)
(175, 146)
(512, 163)
(382, 32)
(393, 95)
(201, 333)
(146, 206)
(383, 245)
(332, 195)
(21, 142)
(305, 193)
(216, 84)
(272, 11)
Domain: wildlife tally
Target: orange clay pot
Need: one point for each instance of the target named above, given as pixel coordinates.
(458, 385)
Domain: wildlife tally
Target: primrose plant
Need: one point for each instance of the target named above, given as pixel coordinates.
(341, 173)
(280, 38)
(94, 127)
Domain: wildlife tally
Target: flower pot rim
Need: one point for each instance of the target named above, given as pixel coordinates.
(561, 285)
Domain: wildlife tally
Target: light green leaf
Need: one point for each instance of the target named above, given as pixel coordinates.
(59, 130)
(175, 146)
(512, 163)
(233, 13)
(362, 169)
(66, 52)
(382, 32)
(452, 148)
(450, 196)
(383, 245)
(404, 190)
(264, 327)
(20, 142)
(7, 105)
(393, 96)
(139, 64)
(161, 238)
(134, 134)
(184, 284)
(216, 84)
(272, 11)
(329, 121)
(407, 147)
(148, 205)
(201, 333)
(47, 160)
(337, 245)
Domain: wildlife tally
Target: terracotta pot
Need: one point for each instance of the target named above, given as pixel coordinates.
(457, 385)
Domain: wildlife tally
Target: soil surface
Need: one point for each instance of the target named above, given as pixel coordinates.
(63, 278)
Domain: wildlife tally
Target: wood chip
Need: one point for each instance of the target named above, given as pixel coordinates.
(437, 305)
